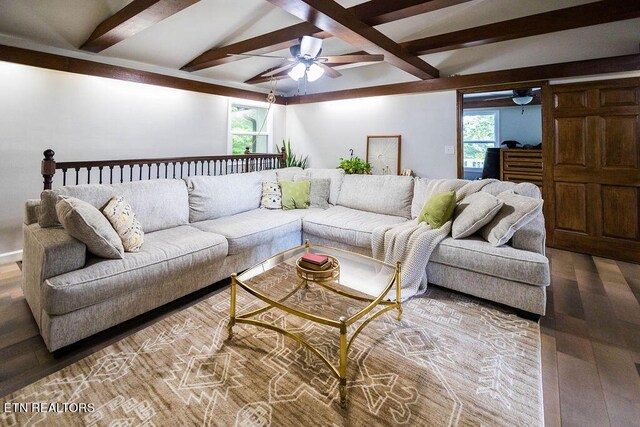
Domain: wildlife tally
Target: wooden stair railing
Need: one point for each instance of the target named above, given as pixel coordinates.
(110, 171)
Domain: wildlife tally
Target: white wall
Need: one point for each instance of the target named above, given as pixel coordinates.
(427, 122)
(86, 117)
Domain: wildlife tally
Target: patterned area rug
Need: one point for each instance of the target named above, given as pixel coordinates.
(452, 360)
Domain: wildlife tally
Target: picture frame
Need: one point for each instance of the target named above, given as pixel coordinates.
(383, 153)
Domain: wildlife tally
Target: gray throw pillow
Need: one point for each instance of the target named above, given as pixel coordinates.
(320, 190)
(474, 212)
(516, 212)
(87, 224)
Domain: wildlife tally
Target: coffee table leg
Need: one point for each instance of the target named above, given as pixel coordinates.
(232, 310)
(343, 361)
(398, 290)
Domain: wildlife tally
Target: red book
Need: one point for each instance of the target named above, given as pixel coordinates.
(315, 259)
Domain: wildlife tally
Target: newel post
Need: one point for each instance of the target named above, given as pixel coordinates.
(283, 157)
(48, 168)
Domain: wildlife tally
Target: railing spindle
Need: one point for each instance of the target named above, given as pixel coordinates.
(121, 174)
(64, 176)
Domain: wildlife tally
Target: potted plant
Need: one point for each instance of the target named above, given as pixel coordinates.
(292, 160)
(355, 165)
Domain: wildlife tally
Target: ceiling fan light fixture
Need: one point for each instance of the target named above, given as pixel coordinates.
(314, 72)
(298, 71)
(310, 46)
(522, 100)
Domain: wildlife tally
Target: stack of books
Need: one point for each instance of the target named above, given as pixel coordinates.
(315, 262)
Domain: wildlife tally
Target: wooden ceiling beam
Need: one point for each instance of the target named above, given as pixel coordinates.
(600, 12)
(91, 68)
(345, 25)
(374, 12)
(614, 64)
(131, 19)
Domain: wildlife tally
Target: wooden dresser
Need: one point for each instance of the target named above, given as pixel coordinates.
(520, 165)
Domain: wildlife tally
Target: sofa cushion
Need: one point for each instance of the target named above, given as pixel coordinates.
(319, 191)
(158, 203)
(173, 249)
(439, 209)
(474, 212)
(87, 224)
(336, 176)
(124, 221)
(345, 225)
(475, 254)
(245, 230)
(381, 194)
(516, 212)
(212, 197)
(295, 195)
(287, 174)
(425, 188)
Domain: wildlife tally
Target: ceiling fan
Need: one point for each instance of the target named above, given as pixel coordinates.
(306, 62)
(519, 97)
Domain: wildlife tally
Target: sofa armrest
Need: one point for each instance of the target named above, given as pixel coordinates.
(48, 252)
(31, 208)
(532, 236)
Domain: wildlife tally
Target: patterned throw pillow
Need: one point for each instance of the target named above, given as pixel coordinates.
(123, 220)
(271, 195)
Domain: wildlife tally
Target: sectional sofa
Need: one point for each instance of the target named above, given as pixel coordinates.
(202, 229)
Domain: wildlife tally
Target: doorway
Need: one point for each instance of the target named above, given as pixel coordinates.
(493, 118)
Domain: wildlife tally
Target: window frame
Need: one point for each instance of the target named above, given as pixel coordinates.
(480, 112)
(268, 127)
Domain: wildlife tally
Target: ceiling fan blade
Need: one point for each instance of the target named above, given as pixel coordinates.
(329, 71)
(349, 59)
(260, 56)
(497, 97)
(310, 46)
(278, 69)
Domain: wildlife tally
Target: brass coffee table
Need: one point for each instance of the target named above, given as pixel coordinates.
(362, 285)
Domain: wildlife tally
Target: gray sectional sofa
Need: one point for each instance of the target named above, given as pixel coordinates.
(202, 229)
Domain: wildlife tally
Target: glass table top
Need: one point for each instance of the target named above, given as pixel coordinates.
(360, 276)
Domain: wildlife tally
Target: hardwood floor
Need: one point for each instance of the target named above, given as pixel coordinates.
(590, 340)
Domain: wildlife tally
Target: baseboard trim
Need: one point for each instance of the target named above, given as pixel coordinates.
(9, 257)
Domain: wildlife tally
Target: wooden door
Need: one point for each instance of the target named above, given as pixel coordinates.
(592, 168)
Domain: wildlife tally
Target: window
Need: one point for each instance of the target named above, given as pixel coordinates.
(250, 125)
(479, 132)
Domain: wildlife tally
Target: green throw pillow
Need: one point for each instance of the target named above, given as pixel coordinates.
(296, 195)
(439, 209)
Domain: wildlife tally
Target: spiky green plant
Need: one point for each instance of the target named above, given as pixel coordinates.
(292, 160)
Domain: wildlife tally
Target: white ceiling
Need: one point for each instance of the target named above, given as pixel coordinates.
(62, 26)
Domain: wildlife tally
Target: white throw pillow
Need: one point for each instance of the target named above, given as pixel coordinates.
(124, 221)
(474, 212)
(516, 212)
(271, 195)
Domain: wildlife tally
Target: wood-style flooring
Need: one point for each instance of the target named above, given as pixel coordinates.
(590, 340)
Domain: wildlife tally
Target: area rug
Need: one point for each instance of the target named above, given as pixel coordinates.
(452, 360)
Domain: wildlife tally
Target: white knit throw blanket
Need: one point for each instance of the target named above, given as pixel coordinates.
(412, 242)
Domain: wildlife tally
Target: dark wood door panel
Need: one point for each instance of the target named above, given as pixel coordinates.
(571, 141)
(619, 96)
(620, 212)
(593, 189)
(571, 206)
(570, 99)
(620, 142)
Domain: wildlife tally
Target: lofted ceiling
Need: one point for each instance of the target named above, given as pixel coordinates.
(63, 26)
